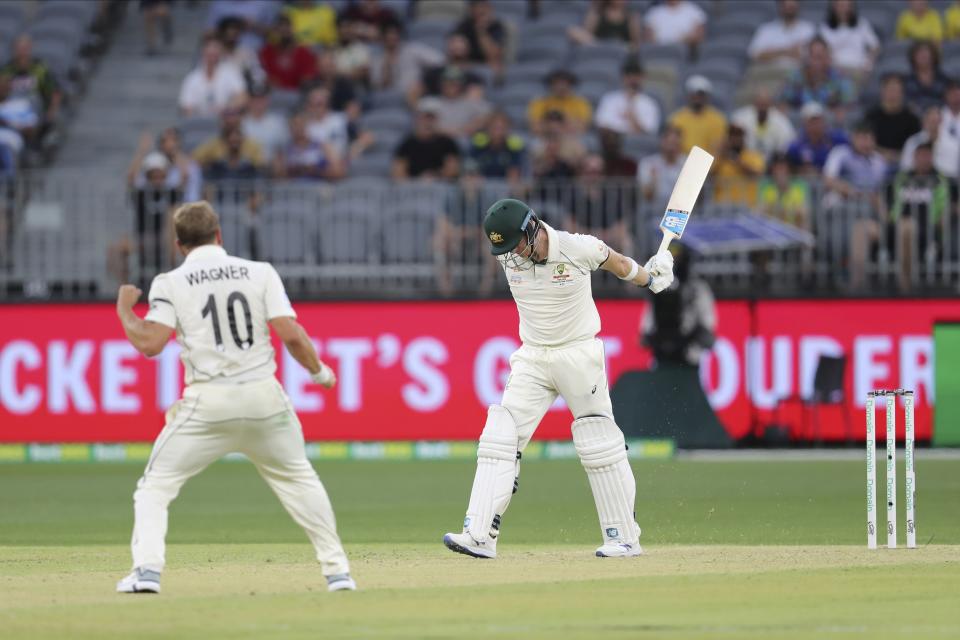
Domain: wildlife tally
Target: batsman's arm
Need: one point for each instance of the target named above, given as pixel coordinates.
(147, 337)
(300, 346)
(622, 267)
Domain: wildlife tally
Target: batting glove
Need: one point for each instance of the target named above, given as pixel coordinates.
(660, 268)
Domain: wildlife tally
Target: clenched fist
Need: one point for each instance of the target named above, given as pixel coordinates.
(127, 296)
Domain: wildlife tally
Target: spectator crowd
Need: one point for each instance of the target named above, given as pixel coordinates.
(323, 92)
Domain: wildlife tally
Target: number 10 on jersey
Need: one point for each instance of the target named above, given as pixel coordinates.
(210, 309)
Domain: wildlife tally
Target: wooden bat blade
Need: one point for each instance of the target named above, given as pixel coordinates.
(685, 194)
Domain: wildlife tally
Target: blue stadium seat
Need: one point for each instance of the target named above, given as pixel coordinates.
(372, 164)
(284, 100)
(612, 52)
(396, 118)
(598, 70)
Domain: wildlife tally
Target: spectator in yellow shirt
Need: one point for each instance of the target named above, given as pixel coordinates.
(560, 97)
(736, 170)
(784, 196)
(919, 22)
(700, 124)
(313, 23)
(951, 18)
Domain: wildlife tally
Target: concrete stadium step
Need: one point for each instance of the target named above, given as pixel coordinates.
(129, 93)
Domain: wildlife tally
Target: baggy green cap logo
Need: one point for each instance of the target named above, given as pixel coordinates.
(504, 224)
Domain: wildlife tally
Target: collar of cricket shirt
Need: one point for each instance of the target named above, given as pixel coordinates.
(205, 252)
(553, 243)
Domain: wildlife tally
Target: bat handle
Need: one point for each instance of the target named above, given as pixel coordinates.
(665, 243)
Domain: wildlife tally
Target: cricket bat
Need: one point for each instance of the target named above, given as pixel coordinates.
(684, 196)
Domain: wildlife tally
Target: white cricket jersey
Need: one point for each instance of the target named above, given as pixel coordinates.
(220, 306)
(555, 300)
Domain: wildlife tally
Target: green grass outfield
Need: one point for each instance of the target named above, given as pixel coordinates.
(735, 549)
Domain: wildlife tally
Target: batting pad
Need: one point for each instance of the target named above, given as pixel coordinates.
(603, 453)
(497, 468)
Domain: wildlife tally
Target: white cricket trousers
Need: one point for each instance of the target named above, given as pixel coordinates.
(577, 372)
(212, 420)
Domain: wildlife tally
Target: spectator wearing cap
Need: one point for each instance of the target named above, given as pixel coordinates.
(930, 134)
(288, 65)
(768, 130)
(608, 20)
(926, 82)
(560, 97)
(919, 21)
(304, 159)
(314, 23)
(460, 115)
(949, 135)
(628, 110)
(265, 127)
(783, 195)
(891, 119)
(675, 22)
(153, 198)
(818, 81)
(853, 43)
(426, 153)
(736, 170)
(370, 19)
(781, 42)
(32, 79)
(485, 34)
(401, 63)
(700, 124)
(657, 173)
(809, 152)
(213, 85)
(496, 152)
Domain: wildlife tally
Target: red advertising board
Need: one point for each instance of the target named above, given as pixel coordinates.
(427, 370)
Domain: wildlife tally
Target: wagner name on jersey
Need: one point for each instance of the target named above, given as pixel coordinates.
(220, 306)
(555, 300)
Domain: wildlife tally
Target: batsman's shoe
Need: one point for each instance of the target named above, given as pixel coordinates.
(341, 582)
(614, 549)
(140, 581)
(465, 544)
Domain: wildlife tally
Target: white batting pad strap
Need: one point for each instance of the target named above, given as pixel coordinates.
(603, 454)
(497, 469)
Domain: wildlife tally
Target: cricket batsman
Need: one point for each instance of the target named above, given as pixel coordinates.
(549, 274)
(222, 309)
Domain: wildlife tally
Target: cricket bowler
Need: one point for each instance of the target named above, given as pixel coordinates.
(222, 309)
(549, 274)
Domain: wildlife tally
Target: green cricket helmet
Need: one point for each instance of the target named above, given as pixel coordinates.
(507, 222)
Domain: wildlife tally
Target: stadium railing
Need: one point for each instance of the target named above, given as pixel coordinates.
(366, 238)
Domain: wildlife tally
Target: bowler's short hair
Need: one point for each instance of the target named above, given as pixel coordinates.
(196, 224)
